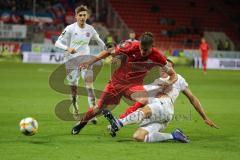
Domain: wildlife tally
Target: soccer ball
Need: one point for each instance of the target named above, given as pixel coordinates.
(28, 126)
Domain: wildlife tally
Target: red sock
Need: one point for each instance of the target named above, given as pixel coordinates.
(89, 115)
(131, 109)
(204, 68)
(204, 64)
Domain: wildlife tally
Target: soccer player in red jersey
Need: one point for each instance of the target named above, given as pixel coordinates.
(137, 59)
(204, 48)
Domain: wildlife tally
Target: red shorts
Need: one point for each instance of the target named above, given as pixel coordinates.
(113, 93)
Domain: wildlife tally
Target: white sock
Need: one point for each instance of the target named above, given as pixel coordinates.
(91, 101)
(91, 97)
(158, 137)
(133, 118)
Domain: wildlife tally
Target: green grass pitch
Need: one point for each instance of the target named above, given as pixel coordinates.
(24, 91)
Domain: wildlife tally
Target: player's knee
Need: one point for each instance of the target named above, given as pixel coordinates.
(88, 77)
(146, 111)
(89, 85)
(88, 80)
(139, 135)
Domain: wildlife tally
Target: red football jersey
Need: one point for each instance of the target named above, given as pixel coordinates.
(204, 47)
(134, 67)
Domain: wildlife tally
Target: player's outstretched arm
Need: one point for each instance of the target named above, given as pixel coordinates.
(99, 41)
(94, 59)
(198, 107)
(172, 74)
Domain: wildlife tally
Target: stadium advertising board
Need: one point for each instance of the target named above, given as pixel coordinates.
(219, 63)
(8, 31)
(9, 48)
(49, 58)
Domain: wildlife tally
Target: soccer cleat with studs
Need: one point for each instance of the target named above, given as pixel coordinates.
(178, 135)
(77, 128)
(114, 125)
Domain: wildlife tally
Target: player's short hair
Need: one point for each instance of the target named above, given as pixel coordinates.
(170, 61)
(146, 39)
(81, 8)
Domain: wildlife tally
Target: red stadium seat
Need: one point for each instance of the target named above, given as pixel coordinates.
(138, 16)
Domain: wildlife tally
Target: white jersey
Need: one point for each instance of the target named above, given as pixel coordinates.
(78, 38)
(173, 91)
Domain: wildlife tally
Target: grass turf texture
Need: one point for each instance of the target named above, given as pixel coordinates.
(24, 91)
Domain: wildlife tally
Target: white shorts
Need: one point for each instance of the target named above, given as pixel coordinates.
(162, 113)
(73, 73)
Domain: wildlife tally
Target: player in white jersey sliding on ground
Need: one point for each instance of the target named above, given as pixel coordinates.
(75, 41)
(154, 117)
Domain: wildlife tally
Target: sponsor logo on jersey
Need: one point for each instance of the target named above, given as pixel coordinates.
(80, 42)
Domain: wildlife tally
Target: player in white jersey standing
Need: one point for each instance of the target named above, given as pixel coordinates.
(154, 117)
(75, 41)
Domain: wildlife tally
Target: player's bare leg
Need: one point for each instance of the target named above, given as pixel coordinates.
(74, 100)
(72, 77)
(140, 134)
(204, 64)
(91, 101)
(88, 78)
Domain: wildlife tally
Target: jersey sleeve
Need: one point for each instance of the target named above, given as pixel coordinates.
(98, 39)
(158, 57)
(64, 39)
(183, 83)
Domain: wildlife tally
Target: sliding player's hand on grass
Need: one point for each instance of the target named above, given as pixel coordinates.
(210, 123)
